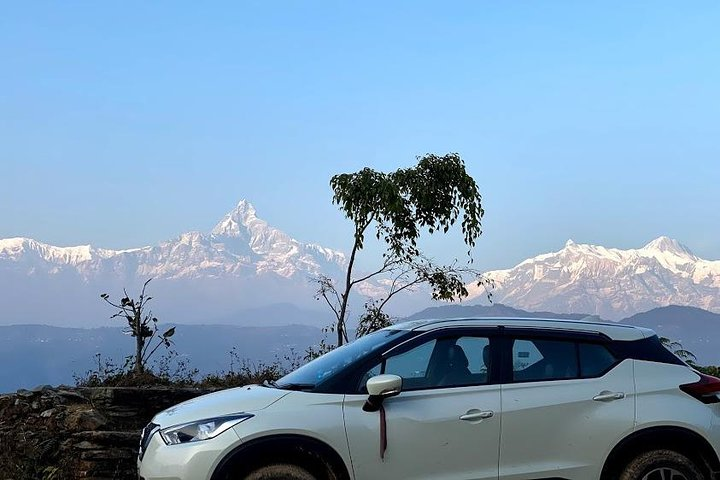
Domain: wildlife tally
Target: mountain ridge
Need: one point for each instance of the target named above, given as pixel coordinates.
(238, 243)
(609, 282)
(244, 262)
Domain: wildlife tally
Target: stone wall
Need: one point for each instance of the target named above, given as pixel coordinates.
(78, 433)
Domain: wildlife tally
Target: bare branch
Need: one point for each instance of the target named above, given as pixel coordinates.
(387, 266)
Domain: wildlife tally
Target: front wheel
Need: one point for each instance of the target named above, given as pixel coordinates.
(280, 471)
(662, 465)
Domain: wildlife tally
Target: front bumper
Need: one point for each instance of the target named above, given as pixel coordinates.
(190, 461)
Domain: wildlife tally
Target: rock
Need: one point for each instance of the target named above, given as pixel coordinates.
(25, 393)
(79, 433)
(112, 439)
(71, 396)
(87, 419)
(42, 388)
(85, 445)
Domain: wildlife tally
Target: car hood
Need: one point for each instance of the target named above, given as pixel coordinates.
(235, 400)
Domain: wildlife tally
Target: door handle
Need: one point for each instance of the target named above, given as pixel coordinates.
(475, 415)
(606, 396)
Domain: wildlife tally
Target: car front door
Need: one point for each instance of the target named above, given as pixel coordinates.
(565, 405)
(445, 424)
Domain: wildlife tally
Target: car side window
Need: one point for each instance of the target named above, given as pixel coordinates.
(539, 359)
(412, 365)
(477, 350)
(444, 362)
(595, 360)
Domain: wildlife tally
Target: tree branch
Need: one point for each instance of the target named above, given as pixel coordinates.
(386, 266)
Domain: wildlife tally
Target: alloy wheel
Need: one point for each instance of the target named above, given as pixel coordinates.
(664, 473)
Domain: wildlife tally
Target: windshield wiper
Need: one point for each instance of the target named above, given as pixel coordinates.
(269, 383)
(296, 386)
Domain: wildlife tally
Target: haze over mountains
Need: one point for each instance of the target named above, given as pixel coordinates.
(247, 272)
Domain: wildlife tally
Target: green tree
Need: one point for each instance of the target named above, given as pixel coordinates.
(142, 325)
(398, 206)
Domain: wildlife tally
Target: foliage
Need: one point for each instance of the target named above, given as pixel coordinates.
(315, 351)
(172, 371)
(246, 373)
(688, 357)
(243, 372)
(167, 370)
(431, 196)
(142, 325)
(373, 319)
(709, 370)
(677, 348)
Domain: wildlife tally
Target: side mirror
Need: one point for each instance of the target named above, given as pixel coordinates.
(379, 388)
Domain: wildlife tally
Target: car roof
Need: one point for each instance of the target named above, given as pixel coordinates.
(614, 331)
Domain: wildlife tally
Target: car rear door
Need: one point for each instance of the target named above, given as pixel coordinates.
(566, 402)
(445, 424)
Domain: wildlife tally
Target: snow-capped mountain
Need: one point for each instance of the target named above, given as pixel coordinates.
(242, 263)
(241, 244)
(610, 282)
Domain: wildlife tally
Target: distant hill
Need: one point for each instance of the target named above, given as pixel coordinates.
(36, 354)
(698, 330)
(32, 355)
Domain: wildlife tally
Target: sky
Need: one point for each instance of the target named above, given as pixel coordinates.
(125, 124)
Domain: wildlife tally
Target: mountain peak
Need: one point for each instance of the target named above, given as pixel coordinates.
(243, 211)
(570, 243)
(242, 214)
(666, 244)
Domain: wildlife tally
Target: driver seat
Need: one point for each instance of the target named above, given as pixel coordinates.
(456, 367)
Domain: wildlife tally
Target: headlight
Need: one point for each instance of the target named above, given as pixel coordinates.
(202, 429)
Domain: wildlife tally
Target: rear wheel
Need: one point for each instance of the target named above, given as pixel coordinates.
(662, 465)
(280, 471)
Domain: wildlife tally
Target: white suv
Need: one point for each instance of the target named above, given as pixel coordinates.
(510, 399)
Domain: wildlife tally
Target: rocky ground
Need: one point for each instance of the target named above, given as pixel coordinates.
(78, 433)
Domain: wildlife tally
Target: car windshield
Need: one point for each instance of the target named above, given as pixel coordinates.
(320, 369)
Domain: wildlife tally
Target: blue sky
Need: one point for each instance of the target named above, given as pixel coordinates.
(126, 124)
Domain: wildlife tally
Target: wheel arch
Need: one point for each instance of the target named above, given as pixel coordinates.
(322, 459)
(680, 439)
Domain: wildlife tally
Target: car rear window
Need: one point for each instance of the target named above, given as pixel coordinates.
(595, 359)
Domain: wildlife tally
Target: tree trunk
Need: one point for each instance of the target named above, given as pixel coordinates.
(341, 336)
(341, 321)
(138, 346)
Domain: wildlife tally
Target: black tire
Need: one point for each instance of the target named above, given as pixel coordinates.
(662, 465)
(280, 471)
